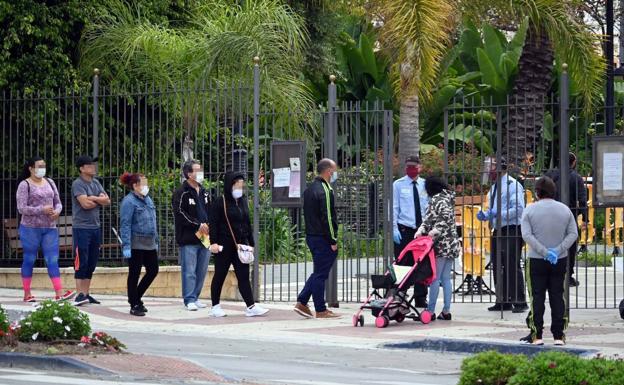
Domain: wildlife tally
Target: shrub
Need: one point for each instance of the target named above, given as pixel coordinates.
(490, 368)
(54, 321)
(596, 259)
(555, 368)
(4, 321)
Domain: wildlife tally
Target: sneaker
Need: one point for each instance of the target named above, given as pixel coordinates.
(530, 339)
(573, 282)
(200, 304)
(327, 314)
(68, 295)
(421, 302)
(217, 311)
(30, 299)
(303, 310)
(143, 308)
(498, 306)
(137, 311)
(445, 316)
(520, 308)
(560, 342)
(93, 300)
(191, 306)
(80, 300)
(255, 311)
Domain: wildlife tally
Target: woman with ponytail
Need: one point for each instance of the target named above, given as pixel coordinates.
(39, 204)
(139, 237)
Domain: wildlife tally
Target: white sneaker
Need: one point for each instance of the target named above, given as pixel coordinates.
(255, 310)
(217, 311)
(200, 304)
(191, 306)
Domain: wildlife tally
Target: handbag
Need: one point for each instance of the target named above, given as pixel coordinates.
(245, 252)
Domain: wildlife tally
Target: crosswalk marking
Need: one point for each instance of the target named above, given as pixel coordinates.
(30, 377)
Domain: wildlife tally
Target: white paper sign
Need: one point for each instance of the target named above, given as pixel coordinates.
(295, 185)
(612, 171)
(295, 164)
(281, 177)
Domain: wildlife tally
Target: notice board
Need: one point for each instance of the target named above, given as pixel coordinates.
(288, 170)
(608, 166)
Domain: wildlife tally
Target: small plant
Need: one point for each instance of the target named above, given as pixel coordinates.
(596, 259)
(103, 339)
(54, 321)
(554, 368)
(4, 320)
(490, 368)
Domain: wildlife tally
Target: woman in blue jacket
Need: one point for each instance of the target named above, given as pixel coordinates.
(139, 236)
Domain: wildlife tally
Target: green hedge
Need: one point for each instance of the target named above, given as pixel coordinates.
(552, 368)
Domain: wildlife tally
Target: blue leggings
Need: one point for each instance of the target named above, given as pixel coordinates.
(46, 239)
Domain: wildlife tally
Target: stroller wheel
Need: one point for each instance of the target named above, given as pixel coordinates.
(382, 321)
(400, 318)
(425, 317)
(361, 320)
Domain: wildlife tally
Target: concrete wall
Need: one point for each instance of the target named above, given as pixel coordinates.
(112, 280)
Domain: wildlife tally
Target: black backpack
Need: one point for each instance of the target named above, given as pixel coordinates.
(622, 309)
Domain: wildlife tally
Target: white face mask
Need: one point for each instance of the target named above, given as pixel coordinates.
(40, 172)
(199, 177)
(237, 194)
(334, 177)
(144, 190)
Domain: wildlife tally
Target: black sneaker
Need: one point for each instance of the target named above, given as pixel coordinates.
(445, 316)
(573, 282)
(80, 300)
(143, 308)
(520, 308)
(137, 311)
(93, 300)
(531, 339)
(421, 302)
(497, 307)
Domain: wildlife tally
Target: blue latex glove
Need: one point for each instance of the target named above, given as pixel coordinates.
(127, 253)
(397, 236)
(483, 216)
(551, 256)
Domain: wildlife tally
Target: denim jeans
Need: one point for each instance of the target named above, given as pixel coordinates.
(323, 257)
(443, 275)
(194, 261)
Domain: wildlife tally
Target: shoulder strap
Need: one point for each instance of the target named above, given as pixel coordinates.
(228, 222)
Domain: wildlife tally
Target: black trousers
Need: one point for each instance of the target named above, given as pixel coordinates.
(222, 262)
(511, 289)
(572, 254)
(544, 277)
(140, 258)
(407, 235)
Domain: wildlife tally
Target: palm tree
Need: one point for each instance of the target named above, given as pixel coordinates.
(416, 34)
(555, 34)
(215, 43)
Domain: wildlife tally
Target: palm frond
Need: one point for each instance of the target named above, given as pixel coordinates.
(416, 33)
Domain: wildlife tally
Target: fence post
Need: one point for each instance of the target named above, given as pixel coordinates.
(256, 174)
(96, 116)
(500, 282)
(388, 132)
(331, 151)
(564, 165)
(446, 142)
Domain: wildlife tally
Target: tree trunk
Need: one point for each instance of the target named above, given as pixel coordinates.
(409, 127)
(528, 99)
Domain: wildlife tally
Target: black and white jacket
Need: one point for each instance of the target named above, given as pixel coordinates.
(440, 222)
(184, 205)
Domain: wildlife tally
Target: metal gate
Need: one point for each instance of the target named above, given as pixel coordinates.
(476, 132)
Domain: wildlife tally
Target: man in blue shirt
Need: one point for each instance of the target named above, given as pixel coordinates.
(410, 202)
(508, 238)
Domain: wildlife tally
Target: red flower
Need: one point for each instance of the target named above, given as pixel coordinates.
(2, 333)
(552, 365)
(85, 340)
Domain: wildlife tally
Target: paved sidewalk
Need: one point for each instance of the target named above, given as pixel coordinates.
(600, 330)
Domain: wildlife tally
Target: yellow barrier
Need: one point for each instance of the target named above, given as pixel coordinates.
(476, 241)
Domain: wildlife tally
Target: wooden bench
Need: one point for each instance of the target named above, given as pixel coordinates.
(64, 226)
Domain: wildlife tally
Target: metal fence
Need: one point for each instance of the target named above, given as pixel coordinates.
(533, 136)
(150, 128)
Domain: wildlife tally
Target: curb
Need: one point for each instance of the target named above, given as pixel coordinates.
(61, 363)
(472, 347)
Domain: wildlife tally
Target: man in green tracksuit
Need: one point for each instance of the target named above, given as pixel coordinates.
(321, 236)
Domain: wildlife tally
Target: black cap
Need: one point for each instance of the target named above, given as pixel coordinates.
(84, 160)
(412, 159)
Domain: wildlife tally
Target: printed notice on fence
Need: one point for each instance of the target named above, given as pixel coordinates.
(612, 171)
(281, 177)
(294, 190)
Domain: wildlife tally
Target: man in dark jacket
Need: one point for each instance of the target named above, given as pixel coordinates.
(322, 238)
(191, 207)
(577, 203)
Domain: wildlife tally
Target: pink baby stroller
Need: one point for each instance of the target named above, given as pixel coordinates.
(416, 263)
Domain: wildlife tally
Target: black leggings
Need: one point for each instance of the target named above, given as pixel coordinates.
(140, 258)
(222, 262)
